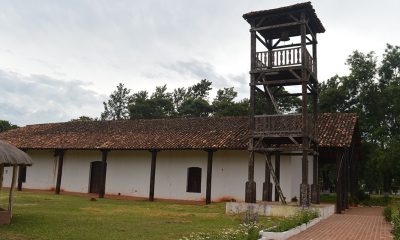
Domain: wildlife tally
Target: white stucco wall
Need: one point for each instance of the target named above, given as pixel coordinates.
(76, 170)
(41, 175)
(128, 173)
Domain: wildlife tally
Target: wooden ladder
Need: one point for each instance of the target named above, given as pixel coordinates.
(274, 178)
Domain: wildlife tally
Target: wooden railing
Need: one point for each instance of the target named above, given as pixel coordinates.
(282, 124)
(282, 58)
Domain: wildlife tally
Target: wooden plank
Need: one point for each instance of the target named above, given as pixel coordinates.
(60, 154)
(11, 197)
(152, 173)
(209, 175)
(339, 157)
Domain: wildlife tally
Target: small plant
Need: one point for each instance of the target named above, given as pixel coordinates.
(301, 217)
(376, 201)
(294, 199)
(249, 217)
(387, 213)
(396, 227)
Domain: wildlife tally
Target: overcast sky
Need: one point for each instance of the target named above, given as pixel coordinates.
(61, 59)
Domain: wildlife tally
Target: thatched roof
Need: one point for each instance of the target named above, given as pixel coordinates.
(10, 155)
(335, 130)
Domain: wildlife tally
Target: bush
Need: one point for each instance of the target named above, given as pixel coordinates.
(387, 213)
(396, 227)
(376, 201)
(301, 217)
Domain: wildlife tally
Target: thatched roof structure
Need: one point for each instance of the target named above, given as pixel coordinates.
(11, 156)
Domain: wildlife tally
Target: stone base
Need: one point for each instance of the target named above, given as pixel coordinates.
(267, 192)
(250, 192)
(315, 194)
(305, 196)
(275, 209)
(5, 218)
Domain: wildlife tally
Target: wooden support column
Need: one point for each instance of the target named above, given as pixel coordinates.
(11, 197)
(346, 181)
(209, 175)
(60, 154)
(277, 172)
(315, 190)
(1, 175)
(102, 191)
(339, 194)
(267, 185)
(152, 173)
(21, 176)
(304, 187)
(250, 193)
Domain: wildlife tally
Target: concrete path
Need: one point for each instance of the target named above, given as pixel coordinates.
(364, 223)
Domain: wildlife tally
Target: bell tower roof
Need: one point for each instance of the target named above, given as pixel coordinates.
(283, 16)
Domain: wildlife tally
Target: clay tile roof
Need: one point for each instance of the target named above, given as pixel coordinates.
(336, 130)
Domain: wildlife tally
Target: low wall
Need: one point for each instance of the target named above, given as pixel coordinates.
(275, 209)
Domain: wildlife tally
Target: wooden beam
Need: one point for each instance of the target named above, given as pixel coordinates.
(277, 172)
(11, 197)
(104, 154)
(253, 29)
(267, 45)
(60, 154)
(152, 173)
(209, 175)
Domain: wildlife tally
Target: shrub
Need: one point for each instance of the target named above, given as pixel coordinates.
(301, 217)
(249, 216)
(376, 201)
(387, 213)
(396, 227)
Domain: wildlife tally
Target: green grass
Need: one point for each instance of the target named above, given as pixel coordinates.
(48, 216)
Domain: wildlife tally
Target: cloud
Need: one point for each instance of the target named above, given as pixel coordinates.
(38, 98)
(196, 69)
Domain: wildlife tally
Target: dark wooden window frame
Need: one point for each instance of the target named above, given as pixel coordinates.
(194, 180)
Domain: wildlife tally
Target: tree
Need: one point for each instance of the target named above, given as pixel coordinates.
(6, 125)
(83, 119)
(193, 102)
(159, 105)
(116, 108)
(224, 104)
(372, 91)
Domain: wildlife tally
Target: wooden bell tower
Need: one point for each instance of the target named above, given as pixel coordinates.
(283, 57)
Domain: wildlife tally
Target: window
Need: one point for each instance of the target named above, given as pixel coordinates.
(194, 180)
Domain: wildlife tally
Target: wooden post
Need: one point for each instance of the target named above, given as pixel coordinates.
(267, 185)
(152, 173)
(304, 187)
(277, 172)
(209, 175)
(346, 181)
(250, 193)
(60, 154)
(11, 197)
(338, 183)
(104, 154)
(1, 175)
(315, 186)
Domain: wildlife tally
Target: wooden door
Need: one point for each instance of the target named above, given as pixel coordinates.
(96, 172)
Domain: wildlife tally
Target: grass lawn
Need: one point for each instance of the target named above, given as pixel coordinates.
(48, 216)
